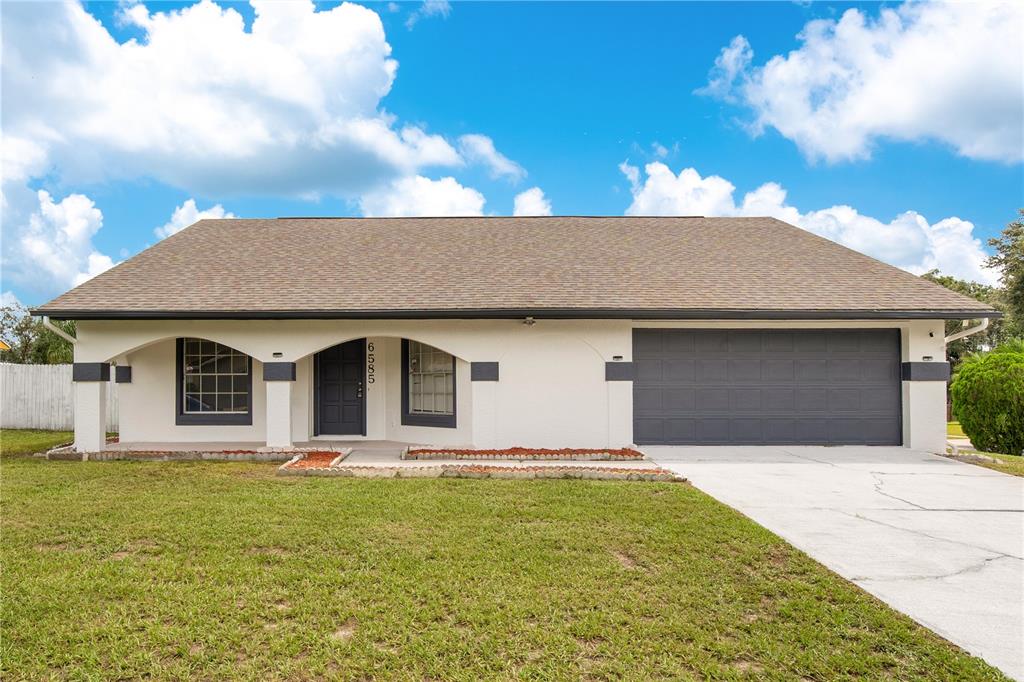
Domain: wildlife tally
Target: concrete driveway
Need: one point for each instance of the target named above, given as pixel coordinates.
(937, 539)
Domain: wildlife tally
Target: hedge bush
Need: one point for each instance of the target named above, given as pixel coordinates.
(988, 398)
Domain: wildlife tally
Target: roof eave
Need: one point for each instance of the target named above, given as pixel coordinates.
(538, 313)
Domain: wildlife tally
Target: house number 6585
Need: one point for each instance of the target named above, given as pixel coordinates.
(369, 362)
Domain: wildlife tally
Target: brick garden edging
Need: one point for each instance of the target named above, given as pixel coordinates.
(66, 454)
(530, 454)
(486, 471)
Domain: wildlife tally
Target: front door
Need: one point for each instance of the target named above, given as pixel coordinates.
(340, 390)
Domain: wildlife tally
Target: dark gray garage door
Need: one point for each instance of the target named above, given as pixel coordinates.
(760, 386)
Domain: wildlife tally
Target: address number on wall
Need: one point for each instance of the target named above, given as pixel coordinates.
(370, 359)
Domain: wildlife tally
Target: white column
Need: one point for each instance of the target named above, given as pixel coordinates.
(279, 414)
(620, 414)
(924, 402)
(90, 416)
(925, 418)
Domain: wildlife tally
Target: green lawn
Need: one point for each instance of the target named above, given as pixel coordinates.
(29, 441)
(954, 431)
(1008, 464)
(223, 570)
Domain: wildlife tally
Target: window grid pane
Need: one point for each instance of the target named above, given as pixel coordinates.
(431, 380)
(215, 378)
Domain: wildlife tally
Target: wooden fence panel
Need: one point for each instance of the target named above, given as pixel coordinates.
(43, 397)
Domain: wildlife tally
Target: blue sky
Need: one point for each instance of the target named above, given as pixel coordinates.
(907, 144)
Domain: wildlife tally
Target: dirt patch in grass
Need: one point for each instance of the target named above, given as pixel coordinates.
(624, 559)
(345, 632)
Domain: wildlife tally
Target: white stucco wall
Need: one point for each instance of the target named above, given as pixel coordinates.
(552, 391)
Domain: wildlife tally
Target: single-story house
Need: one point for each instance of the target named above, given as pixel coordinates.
(494, 332)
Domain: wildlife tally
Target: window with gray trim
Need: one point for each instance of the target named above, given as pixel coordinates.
(214, 383)
(428, 385)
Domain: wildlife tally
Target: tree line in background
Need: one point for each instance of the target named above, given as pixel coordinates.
(33, 343)
(1007, 298)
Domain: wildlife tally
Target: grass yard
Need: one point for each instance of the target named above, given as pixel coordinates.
(1008, 464)
(29, 441)
(223, 570)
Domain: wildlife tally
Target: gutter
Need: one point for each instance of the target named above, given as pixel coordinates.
(982, 326)
(520, 313)
(58, 331)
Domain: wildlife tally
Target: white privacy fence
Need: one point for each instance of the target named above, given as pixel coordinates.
(43, 397)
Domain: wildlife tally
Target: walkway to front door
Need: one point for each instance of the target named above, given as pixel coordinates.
(339, 391)
(939, 540)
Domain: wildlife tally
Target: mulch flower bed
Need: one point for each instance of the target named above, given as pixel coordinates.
(318, 459)
(520, 453)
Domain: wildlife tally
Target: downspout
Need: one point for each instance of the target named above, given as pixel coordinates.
(982, 326)
(67, 337)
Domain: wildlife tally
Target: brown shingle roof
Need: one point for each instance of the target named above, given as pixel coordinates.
(614, 266)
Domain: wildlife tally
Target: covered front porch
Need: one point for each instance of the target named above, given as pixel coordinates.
(293, 383)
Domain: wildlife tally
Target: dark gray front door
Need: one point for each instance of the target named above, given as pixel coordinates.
(766, 386)
(340, 394)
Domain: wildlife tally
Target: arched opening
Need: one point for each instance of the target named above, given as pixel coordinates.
(385, 386)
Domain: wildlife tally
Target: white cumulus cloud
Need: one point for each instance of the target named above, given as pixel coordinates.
(945, 71)
(420, 196)
(290, 106)
(57, 242)
(907, 241)
(480, 149)
(188, 214)
(531, 202)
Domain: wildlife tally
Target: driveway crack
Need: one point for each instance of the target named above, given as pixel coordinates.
(973, 568)
(923, 534)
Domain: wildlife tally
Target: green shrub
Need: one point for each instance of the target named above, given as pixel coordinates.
(988, 398)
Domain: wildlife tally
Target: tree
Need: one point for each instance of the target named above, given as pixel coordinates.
(997, 331)
(30, 341)
(1009, 258)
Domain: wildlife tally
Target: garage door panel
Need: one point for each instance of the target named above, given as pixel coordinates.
(880, 370)
(647, 370)
(767, 386)
(677, 343)
(680, 370)
(812, 370)
(811, 399)
(780, 399)
(844, 369)
(746, 399)
(705, 341)
(746, 430)
(810, 341)
(712, 399)
(649, 430)
(680, 430)
(713, 430)
(740, 342)
(713, 370)
(677, 399)
(779, 370)
(745, 370)
(778, 342)
(844, 400)
(648, 399)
